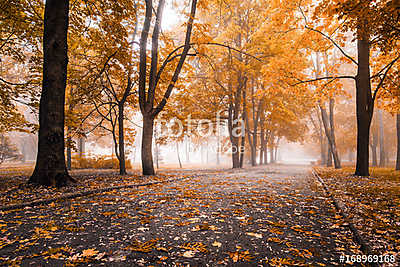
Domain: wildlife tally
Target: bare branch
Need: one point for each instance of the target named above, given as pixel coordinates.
(388, 67)
(324, 78)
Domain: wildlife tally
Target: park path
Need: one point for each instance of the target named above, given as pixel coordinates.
(262, 216)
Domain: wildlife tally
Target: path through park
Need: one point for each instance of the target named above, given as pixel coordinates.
(262, 216)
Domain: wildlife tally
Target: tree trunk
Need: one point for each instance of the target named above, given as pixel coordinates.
(121, 139)
(177, 153)
(147, 143)
(50, 169)
(276, 150)
(398, 141)
(271, 154)
(382, 152)
(266, 155)
(242, 149)
(322, 141)
(233, 118)
(262, 144)
(365, 107)
(69, 150)
(69, 155)
(81, 147)
(266, 148)
(331, 140)
(218, 160)
(374, 145)
(329, 157)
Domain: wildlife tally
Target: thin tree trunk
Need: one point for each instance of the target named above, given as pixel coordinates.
(382, 152)
(81, 147)
(50, 169)
(374, 145)
(329, 157)
(69, 157)
(177, 153)
(121, 139)
(262, 144)
(398, 141)
(242, 150)
(69, 150)
(266, 148)
(218, 160)
(331, 140)
(322, 138)
(331, 123)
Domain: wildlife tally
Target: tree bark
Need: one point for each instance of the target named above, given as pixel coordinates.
(266, 147)
(331, 140)
(382, 152)
(262, 143)
(121, 139)
(374, 145)
(69, 150)
(235, 152)
(50, 169)
(322, 141)
(398, 141)
(147, 143)
(329, 157)
(365, 107)
(81, 147)
(242, 150)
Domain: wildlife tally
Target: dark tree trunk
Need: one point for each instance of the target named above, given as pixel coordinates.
(398, 141)
(69, 150)
(235, 152)
(365, 107)
(121, 139)
(147, 143)
(234, 122)
(262, 143)
(69, 155)
(242, 150)
(382, 152)
(266, 147)
(50, 169)
(329, 157)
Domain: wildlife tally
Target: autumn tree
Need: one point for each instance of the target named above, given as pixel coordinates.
(365, 20)
(7, 149)
(148, 84)
(50, 166)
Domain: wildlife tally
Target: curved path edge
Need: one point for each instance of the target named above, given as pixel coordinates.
(365, 248)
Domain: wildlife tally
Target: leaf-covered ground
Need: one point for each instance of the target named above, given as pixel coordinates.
(266, 216)
(15, 190)
(372, 203)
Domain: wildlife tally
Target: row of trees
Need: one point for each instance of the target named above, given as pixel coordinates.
(252, 63)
